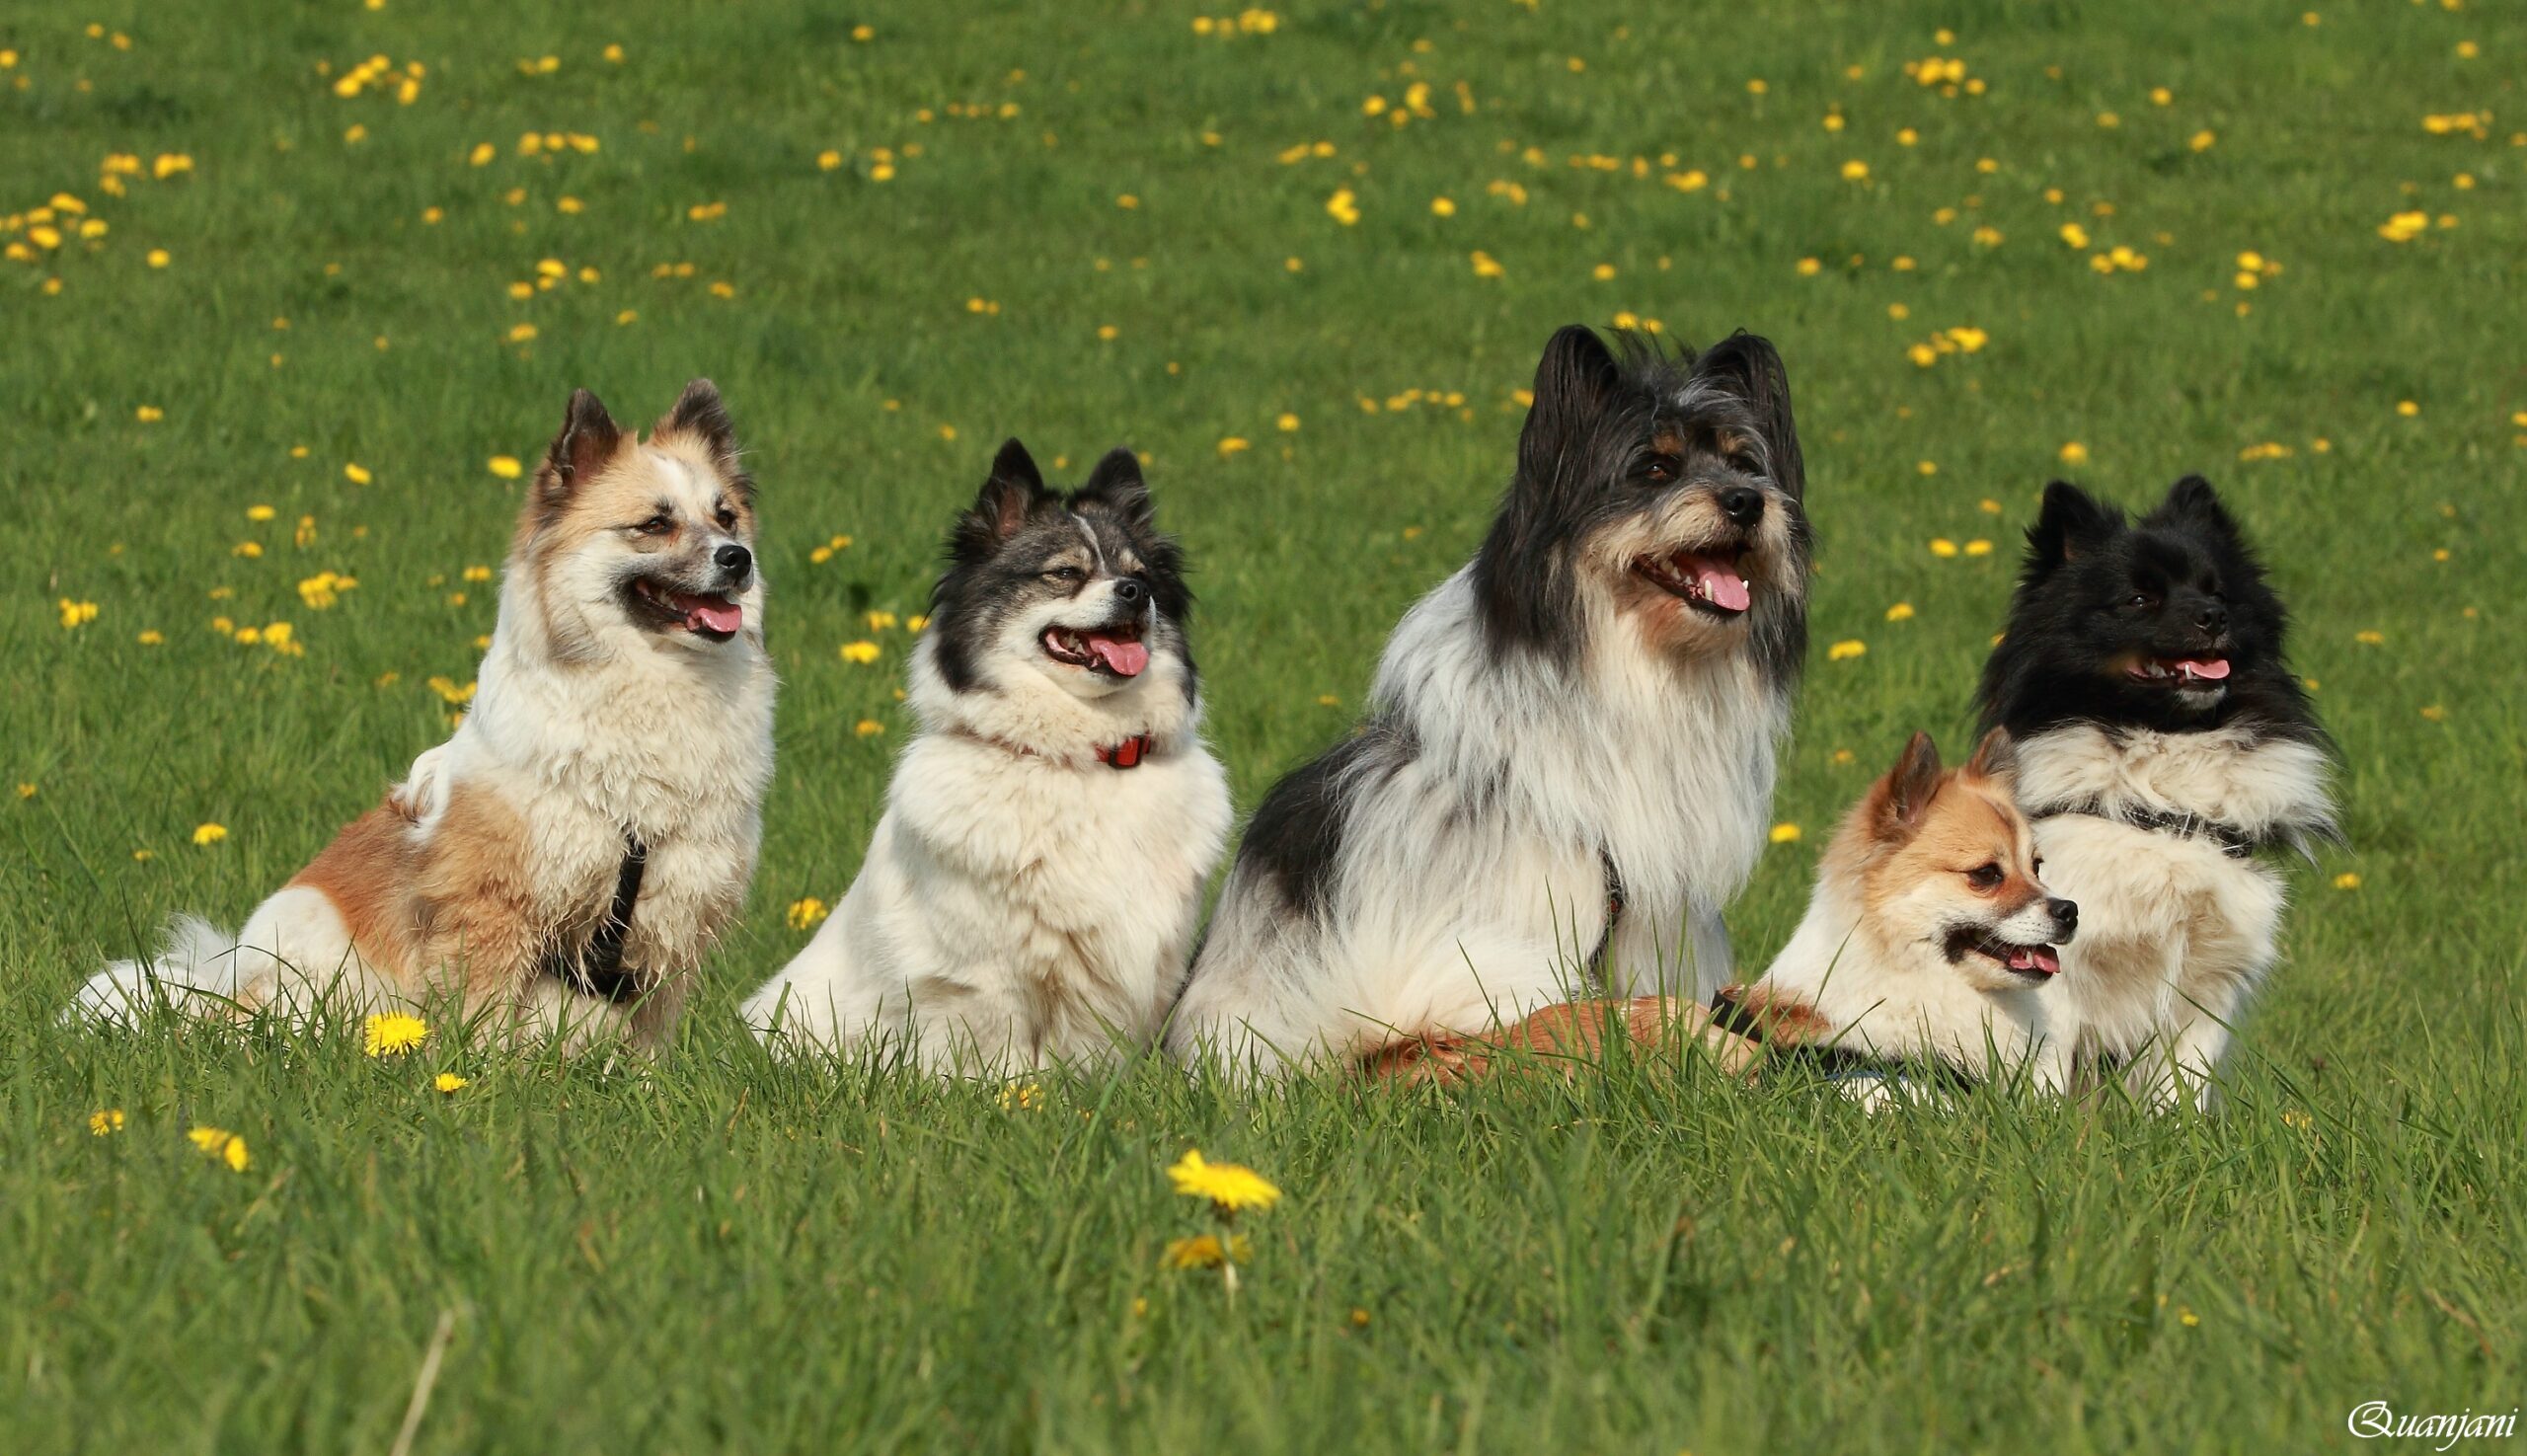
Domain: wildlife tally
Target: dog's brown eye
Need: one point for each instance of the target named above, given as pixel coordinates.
(1744, 464)
(1985, 877)
(1662, 469)
(657, 525)
(1069, 576)
(727, 520)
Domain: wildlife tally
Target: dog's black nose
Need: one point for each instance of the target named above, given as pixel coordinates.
(1131, 591)
(2211, 617)
(1744, 504)
(735, 560)
(2065, 915)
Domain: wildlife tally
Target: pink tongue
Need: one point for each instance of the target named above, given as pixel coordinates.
(2036, 959)
(712, 612)
(1721, 586)
(2213, 668)
(1125, 659)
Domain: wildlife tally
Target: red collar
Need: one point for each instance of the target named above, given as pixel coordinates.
(1128, 753)
(1125, 754)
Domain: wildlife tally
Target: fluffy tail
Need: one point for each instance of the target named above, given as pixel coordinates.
(195, 971)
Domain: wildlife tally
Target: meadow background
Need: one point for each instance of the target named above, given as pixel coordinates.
(289, 287)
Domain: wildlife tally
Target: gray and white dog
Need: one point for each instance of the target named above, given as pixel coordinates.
(1568, 766)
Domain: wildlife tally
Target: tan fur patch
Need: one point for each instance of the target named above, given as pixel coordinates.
(367, 873)
(1566, 1037)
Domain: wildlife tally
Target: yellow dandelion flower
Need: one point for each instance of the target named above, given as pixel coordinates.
(1902, 611)
(1232, 445)
(1809, 268)
(2408, 408)
(206, 835)
(1978, 548)
(2346, 881)
(1941, 547)
(507, 466)
(1285, 422)
(106, 1123)
(1021, 1097)
(1846, 649)
(1855, 171)
(221, 1144)
(448, 1083)
(1785, 834)
(863, 652)
(393, 1034)
(1229, 1187)
(76, 613)
(868, 728)
(806, 914)
(26, 790)
(358, 475)
(2369, 638)
(2074, 453)
(2435, 712)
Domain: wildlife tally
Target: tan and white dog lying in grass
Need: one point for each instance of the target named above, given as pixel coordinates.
(1931, 933)
(568, 856)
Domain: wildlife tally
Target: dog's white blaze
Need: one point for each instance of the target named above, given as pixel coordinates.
(1668, 770)
(2174, 935)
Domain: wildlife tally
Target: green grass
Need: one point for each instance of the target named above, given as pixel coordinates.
(725, 1254)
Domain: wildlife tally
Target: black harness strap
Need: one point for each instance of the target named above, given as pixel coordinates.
(598, 970)
(1614, 916)
(2234, 842)
(1830, 1059)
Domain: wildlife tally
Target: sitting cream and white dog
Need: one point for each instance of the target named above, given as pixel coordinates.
(1032, 892)
(568, 858)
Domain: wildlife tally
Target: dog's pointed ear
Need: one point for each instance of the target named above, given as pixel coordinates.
(1576, 380)
(1117, 482)
(1015, 488)
(1995, 758)
(588, 439)
(701, 415)
(2070, 523)
(1907, 789)
(1751, 368)
(2191, 502)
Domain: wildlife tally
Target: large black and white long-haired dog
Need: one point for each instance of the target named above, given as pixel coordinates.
(1568, 765)
(1033, 888)
(2162, 742)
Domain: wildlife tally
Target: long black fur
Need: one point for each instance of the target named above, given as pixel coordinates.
(2097, 588)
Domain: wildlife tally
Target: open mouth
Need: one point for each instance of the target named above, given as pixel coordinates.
(1712, 582)
(1115, 650)
(2036, 963)
(2181, 672)
(711, 618)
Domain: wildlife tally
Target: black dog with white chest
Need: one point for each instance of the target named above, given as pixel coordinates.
(2163, 741)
